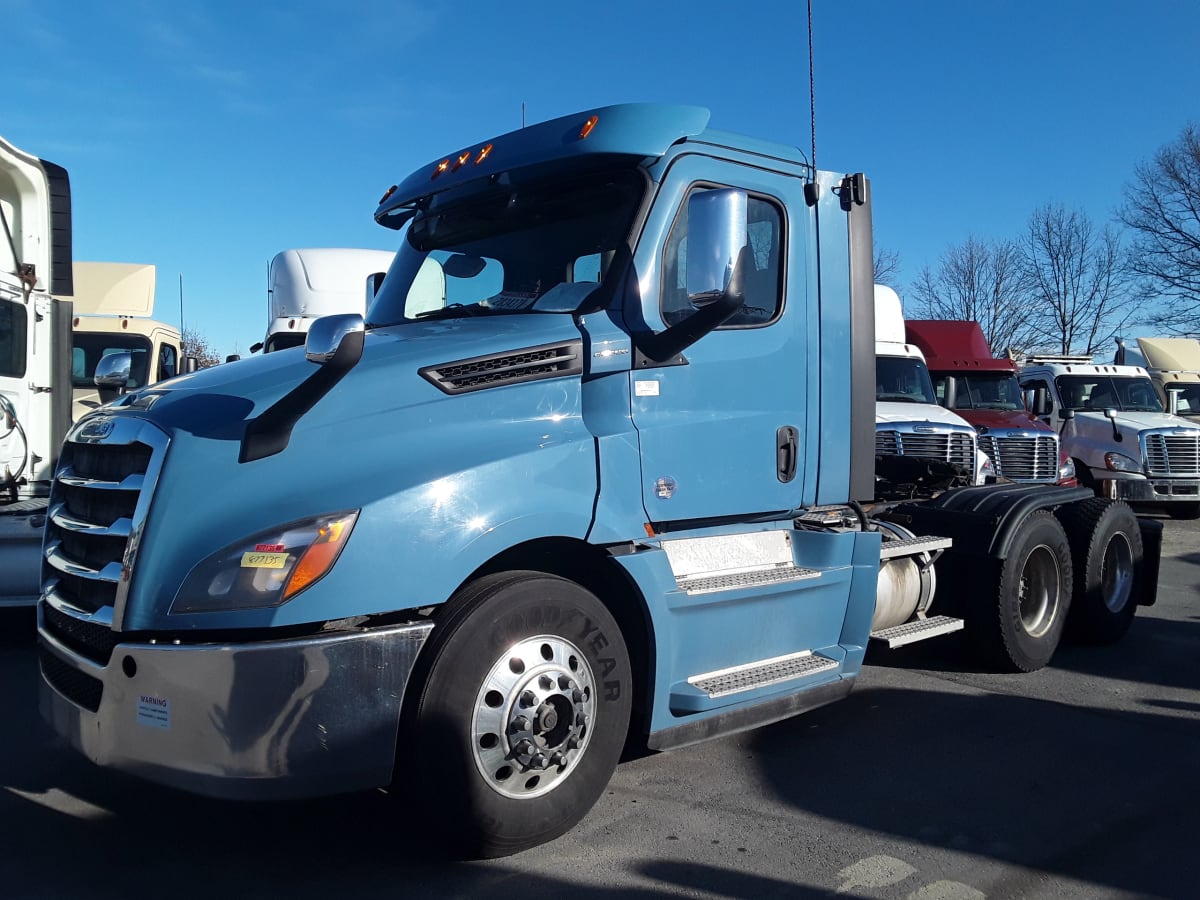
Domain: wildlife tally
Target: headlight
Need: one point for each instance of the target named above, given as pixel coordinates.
(266, 569)
(1119, 462)
(1066, 467)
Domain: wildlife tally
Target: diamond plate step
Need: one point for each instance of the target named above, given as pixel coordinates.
(710, 583)
(913, 546)
(724, 682)
(918, 630)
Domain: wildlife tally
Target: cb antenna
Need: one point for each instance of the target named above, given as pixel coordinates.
(812, 92)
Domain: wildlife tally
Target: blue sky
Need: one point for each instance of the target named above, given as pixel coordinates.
(205, 137)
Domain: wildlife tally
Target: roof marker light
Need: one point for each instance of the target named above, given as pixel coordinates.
(387, 194)
(483, 154)
(462, 160)
(440, 168)
(588, 126)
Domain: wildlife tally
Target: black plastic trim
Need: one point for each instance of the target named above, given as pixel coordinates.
(559, 360)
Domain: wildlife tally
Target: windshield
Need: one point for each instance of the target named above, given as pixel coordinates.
(902, 379)
(533, 240)
(89, 349)
(1189, 397)
(1100, 392)
(983, 390)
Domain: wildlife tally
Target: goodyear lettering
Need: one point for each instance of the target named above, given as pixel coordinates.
(612, 690)
(594, 636)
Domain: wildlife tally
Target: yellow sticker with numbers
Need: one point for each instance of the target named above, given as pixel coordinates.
(260, 560)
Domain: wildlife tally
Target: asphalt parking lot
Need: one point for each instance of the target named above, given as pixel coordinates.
(932, 782)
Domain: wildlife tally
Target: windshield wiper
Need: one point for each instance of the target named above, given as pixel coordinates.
(456, 311)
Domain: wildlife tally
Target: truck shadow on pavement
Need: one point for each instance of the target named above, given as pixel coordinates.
(1104, 796)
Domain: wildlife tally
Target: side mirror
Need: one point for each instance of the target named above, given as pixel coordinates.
(1173, 401)
(1039, 401)
(1066, 413)
(190, 365)
(336, 341)
(374, 283)
(112, 375)
(233, 357)
(717, 232)
(255, 347)
(950, 397)
(717, 256)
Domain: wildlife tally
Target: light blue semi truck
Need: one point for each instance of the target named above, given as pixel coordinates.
(615, 487)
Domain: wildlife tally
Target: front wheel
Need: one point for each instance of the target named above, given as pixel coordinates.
(1032, 596)
(1106, 546)
(521, 713)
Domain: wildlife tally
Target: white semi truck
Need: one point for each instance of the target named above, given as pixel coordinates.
(35, 348)
(920, 447)
(304, 285)
(1113, 425)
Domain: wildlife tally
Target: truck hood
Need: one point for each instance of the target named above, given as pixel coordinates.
(1129, 422)
(1001, 419)
(889, 412)
(385, 378)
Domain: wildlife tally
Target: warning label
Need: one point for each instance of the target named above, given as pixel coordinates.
(153, 711)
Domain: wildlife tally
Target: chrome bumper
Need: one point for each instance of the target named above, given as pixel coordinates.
(265, 720)
(1140, 489)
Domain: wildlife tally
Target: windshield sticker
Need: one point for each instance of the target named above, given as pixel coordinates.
(153, 711)
(257, 560)
(664, 488)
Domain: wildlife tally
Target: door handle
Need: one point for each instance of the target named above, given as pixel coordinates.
(787, 449)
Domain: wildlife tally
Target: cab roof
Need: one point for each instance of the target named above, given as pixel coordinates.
(955, 345)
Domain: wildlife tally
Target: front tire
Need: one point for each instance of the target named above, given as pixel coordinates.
(1032, 596)
(1106, 547)
(521, 711)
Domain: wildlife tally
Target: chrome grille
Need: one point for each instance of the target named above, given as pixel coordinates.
(98, 502)
(1172, 453)
(955, 447)
(1031, 458)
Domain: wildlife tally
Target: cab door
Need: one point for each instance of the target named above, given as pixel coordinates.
(723, 428)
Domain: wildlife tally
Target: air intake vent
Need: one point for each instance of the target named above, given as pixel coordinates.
(514, 367)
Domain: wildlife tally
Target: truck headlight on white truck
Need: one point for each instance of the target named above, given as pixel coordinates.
(267, 569)
(1119, 462)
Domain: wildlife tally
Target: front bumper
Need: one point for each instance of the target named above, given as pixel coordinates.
(256, 720)
(1136, 488)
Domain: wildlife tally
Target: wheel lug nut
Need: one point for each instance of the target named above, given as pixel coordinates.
(527, 699)
(520, 723)
(564, 683)
(558, 760)
(572, 743)
(538, 761)
(545, 683)
(576, 696)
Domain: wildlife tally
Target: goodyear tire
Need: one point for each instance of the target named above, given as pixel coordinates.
(1106, 548)
(521, 709)
(1032, 596)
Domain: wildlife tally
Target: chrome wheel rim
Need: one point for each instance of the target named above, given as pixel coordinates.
(1040, 586)
(1116, 573)
(533, 717)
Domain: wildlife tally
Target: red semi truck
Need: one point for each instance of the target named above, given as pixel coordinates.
(983, 389)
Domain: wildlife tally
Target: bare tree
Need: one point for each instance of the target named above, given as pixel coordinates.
(887, 267)
(1082, 291)
(1162, 207)
(195, 344)
(979, 282)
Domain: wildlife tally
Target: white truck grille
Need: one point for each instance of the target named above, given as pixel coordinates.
(1172, 454)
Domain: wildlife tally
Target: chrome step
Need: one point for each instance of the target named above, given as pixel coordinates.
(913, 546)
(724, 682)
(708, 584)
(916, 630)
